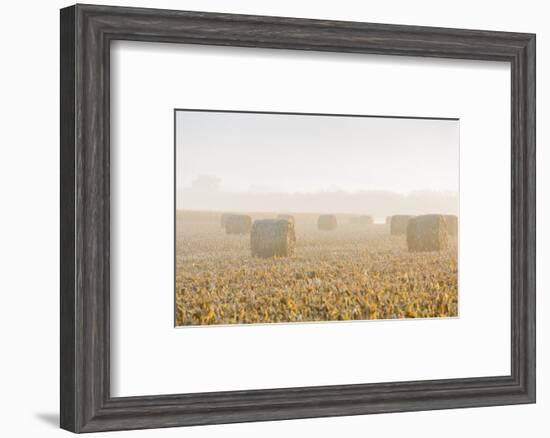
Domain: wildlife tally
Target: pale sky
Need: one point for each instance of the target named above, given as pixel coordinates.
(300, 153)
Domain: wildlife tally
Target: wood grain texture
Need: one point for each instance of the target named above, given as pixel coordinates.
(67, 215)
(86, 32)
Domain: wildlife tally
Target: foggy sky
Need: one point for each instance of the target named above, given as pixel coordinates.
(241, 157)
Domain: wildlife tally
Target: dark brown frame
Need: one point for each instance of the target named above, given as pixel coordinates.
(86, 33)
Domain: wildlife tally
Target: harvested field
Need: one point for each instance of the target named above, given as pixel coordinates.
(351, 273)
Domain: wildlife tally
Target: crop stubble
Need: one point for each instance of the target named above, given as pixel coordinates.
(352, 273)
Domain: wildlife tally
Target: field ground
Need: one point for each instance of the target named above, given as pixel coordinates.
(356, 272)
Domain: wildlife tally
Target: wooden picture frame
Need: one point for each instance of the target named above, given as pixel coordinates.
(86, 33)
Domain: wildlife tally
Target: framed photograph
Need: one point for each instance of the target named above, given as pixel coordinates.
(309, 226)
(268, 218)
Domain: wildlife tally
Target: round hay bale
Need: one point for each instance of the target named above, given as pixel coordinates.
(238, 224)
(452, 224)
(272, 238)
(286, 217)
(223, 218)
(427, 233)
(327, 222)
(398, 224)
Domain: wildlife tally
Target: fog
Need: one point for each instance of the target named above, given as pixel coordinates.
(315, 164)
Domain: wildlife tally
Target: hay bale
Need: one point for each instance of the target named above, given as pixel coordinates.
(427, 233)
(452, 224)
(388, 220)
(286, 217)
(398, 224)
(272, 238)
(327, 222)
(238, 224)
(223, 218)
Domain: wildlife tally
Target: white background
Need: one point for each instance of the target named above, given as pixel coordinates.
(29, 233)
(201, 359)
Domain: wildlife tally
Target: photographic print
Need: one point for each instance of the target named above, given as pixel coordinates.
(286, 217)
